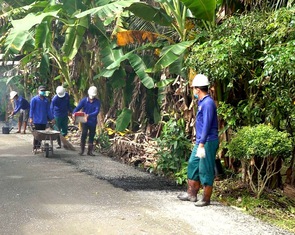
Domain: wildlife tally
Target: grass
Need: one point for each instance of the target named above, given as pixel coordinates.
(272, 207)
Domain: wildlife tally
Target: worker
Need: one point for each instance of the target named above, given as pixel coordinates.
(22, 106)
(201, 163)
(90, 105)
(40, 113)
(60, 108)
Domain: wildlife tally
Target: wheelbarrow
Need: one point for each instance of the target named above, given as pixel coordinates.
(46, 137)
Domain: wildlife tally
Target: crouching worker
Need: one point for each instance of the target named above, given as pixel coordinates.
(202, 160)
(22, 106)
(90, 105)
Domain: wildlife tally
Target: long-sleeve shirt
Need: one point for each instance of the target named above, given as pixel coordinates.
(40, 110)
(91, 109)
(206, 124)
(21, 103)
(60, 107)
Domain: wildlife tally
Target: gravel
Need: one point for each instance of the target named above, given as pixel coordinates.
(210, 220)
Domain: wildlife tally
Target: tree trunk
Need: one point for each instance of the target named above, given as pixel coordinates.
(276, 180)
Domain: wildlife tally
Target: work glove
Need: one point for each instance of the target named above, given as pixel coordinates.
(201, 152)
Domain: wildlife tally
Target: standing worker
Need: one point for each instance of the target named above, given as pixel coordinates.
(22, 106)
(90, 106)
(60, 108)
(40, 113)
(201, 163)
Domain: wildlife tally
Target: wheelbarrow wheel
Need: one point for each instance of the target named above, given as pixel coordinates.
(46, 149)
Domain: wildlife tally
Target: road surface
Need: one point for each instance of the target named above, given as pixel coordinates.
(69, 194)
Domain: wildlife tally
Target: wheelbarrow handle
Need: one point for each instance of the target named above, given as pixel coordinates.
(32, 126)
(51, 125)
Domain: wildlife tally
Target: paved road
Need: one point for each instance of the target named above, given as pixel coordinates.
(47, 196)
(69, 194)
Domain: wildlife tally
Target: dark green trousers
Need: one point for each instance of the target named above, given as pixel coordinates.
(61, 124)
(202, 169)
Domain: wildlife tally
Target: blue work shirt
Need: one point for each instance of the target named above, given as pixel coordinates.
(91, 109)
(40, 110)
(60, 107)
(206, 124)
(21, 103)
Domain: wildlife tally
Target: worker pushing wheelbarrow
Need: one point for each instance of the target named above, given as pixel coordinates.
(39, 116)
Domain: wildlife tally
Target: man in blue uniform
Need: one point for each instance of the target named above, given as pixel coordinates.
(202, 160)
(22, 106)
(90, 106)
(40, 113)
(60, 108)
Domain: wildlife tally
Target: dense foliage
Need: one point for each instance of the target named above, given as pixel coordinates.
(251, 60)
(174, 150)
(260, 141)
(260, 148)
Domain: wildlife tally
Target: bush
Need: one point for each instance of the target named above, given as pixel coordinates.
(103, 140)
(174, 150)
(260, 149)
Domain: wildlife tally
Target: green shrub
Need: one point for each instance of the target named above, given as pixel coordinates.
(174, 150)
(260, 149)
(103, 140)
(260, 141)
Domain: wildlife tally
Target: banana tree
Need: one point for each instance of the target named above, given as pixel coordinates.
(43, 47)
(50, 38)
(172, 16)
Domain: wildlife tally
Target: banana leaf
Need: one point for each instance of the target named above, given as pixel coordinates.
(123, 120)
(74, 37)
(151, 14)
(172, 53)
(201, 9)
(137, 64)
(21, 34)
(108, 11)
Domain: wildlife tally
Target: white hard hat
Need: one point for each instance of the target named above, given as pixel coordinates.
(13, 94)
(200, 80)
(60, 91)
(92, 91)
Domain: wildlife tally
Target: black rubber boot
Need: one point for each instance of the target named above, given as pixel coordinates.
(90, 150)
(58, 143)
(82, 149)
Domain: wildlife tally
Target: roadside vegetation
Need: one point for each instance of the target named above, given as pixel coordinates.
(142, 56)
